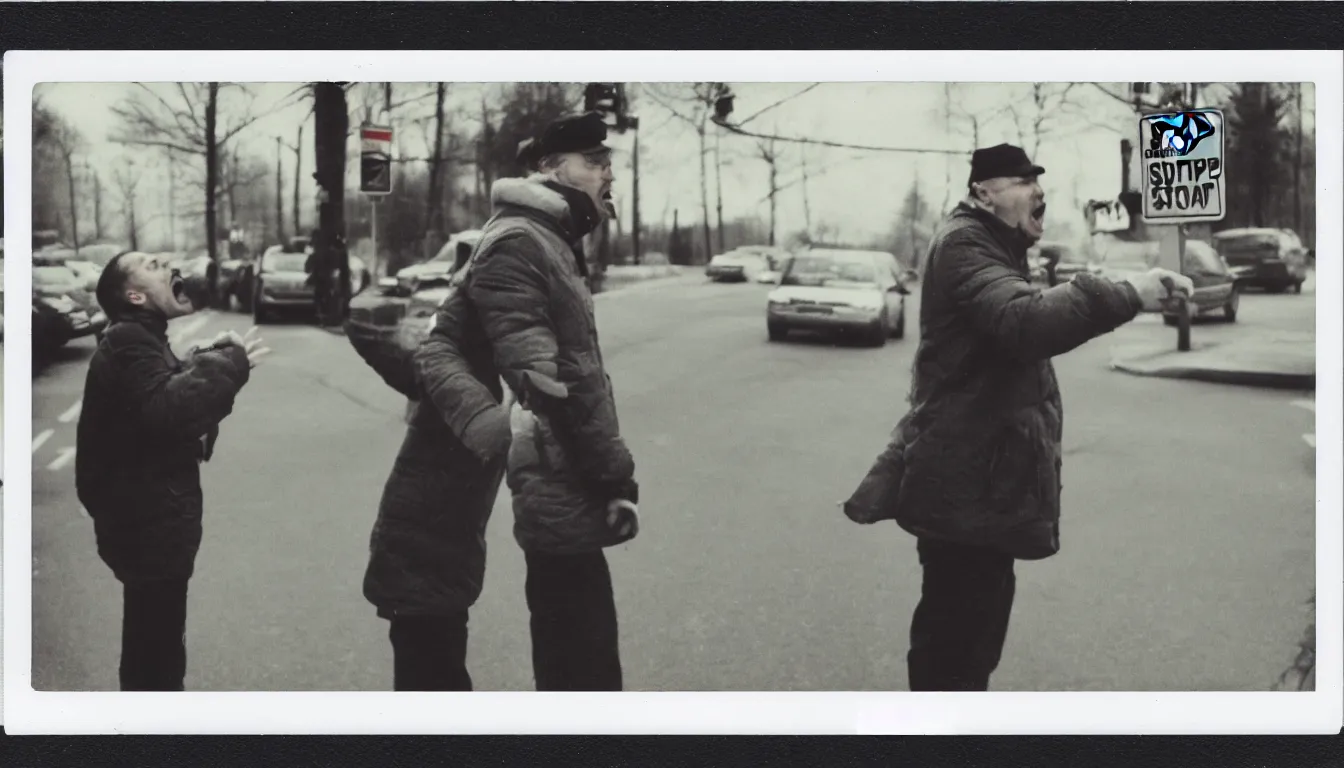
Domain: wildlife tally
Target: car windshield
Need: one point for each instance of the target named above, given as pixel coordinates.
(284, 262)
(99, 254)
(53, 275)
(840, 270)
(1200, 257)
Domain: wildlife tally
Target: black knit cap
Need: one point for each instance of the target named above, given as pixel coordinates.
(999, 161)
(580, 133)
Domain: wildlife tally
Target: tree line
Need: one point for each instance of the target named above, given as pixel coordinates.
(189, 134)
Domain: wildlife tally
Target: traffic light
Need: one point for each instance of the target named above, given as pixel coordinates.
(601, 97)
(723, 102)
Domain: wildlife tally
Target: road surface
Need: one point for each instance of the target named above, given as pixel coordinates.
(1187, 560)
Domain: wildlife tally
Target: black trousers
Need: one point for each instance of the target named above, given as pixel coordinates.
(574, 633)
(429, 653)
(153, 635)
(575, 646)
(961, 622)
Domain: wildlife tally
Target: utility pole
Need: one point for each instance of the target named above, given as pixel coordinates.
(1297, 169)
(298, 167)
(807, 206)
(718, 190)
(279, 193)
(634, 233)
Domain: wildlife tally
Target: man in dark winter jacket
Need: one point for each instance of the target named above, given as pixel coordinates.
(148, 420)
(571, 475)
(973, 469)
(427, 551)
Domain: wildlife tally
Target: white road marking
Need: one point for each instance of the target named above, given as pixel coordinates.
(62, 460)
(42, 438)
(71, 413)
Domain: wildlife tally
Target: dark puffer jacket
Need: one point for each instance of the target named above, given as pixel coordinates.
(526, 285)
(977, 458)
(147, 421)
(427, 551)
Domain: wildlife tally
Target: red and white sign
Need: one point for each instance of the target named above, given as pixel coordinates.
(375, 160)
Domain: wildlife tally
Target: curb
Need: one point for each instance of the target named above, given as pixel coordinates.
(1263, 379)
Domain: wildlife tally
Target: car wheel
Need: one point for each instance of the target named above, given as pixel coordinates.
(877, 337)
(899, 331)
(1169, 320)
(259, 314)
(1297, 287)
(1230, 308)
(777, 332)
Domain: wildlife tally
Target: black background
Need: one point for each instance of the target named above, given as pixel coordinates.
(688, 26)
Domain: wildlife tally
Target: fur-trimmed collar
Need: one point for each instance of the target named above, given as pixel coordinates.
(530, 193)
(571, 210)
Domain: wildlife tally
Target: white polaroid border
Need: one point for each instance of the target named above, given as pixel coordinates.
(28, 712)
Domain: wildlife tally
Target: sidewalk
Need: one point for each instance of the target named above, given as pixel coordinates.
(1278, 359)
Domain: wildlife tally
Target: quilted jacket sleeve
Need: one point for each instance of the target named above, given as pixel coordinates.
(181, 404)
(510, 288)
(378, 348)
(1025, 322)
(445, 377)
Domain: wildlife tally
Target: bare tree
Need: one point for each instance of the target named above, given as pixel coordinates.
(128, 181)
(771, 158)
(433, 207)
(1044, 111)
(67, 140)
(97, 202)
(187, 123)
(693, 104)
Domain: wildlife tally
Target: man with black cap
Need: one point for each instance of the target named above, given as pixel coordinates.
(973, 469)
(521, 308)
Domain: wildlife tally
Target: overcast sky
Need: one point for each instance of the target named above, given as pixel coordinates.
(857, 192)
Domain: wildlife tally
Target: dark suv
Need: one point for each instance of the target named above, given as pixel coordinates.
(1272, 259)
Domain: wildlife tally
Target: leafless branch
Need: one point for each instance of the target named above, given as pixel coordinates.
(696, 122)
(842, 145)
(779, 103)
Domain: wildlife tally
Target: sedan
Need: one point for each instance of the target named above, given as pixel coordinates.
(1216, 288)
(281, 282)
(62, 290)
(737, 266)
(840, 291)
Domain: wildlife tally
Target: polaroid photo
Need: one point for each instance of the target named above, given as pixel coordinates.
(377, 392)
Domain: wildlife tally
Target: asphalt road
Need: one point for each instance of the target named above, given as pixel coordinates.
(1187, 557)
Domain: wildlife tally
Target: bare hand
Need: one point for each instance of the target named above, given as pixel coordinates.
(1152, 287)
(253, 345)
(614, 509)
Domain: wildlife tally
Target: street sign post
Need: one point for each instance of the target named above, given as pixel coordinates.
(375, 160)
(375, 174)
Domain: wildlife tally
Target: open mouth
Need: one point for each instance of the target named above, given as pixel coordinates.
(1038, 216)
(609, 202)
(179, 287)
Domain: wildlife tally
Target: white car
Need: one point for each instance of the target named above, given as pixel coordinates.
(840, 291)
(454, 252)
(737, 266)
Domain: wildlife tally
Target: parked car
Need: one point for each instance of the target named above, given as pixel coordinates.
(58, 285)
(280, 282)
(1069, 261)
(1272, 259)
(840, 291)
(438, 269)
(737, 266)
(1216, 288)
